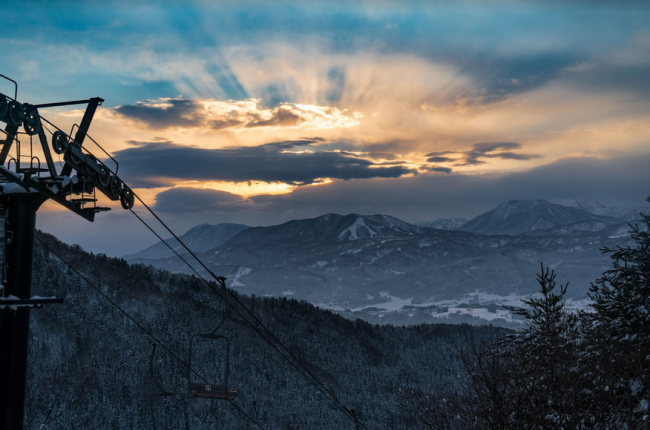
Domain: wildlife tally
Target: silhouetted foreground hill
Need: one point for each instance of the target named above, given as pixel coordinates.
(89, 365)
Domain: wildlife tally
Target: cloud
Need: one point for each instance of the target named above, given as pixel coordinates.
(486, 150)
(489, 74)
(483, 148)
(200, 200)
(439, 159)
(479, 152)
(614, 182)
(163, 113)
(437, 169)
(435, 154)
(235, 114)
(295, 162)
(512, 156)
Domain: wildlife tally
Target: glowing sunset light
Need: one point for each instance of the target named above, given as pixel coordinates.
(244, 189)
(369, 102)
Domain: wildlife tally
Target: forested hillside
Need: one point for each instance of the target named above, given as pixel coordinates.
(89, 365)
(565, 369)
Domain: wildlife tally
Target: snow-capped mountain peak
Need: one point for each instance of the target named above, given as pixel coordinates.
(518, 216)
(594, 207)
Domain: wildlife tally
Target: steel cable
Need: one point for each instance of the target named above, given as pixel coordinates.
(140, 326)
(221, 280)
(314, 380)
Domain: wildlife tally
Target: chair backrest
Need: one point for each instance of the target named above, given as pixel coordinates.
(193, 386)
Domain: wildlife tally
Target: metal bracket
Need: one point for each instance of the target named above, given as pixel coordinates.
(85, 125)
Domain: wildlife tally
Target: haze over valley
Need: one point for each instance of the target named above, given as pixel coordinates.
(385, 270)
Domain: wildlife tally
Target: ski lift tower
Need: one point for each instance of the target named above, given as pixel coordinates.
(26, 182)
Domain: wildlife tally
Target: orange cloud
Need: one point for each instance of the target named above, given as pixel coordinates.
(235, 115)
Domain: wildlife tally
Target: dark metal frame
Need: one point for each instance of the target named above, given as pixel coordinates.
(18, 210)
(14, 324)
(93, 173)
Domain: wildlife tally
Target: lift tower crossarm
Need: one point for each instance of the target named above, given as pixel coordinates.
(84, 126)
(75, 102)
(95, 101)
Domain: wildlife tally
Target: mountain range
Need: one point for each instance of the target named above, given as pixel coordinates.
(443, 223)
(201, 238)
(519, 216)
(383, 269)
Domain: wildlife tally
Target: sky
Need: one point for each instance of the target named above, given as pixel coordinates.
(263, 112)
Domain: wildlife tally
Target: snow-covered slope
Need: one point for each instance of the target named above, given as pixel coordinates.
(519, 216)
(327, 228)
(594, 207)
(201, 238)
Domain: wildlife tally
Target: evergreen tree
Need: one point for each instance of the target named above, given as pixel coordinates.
(621, 297)
(563, 370)
(616, 351)
(540, 358)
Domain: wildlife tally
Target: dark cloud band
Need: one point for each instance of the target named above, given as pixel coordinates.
(175, 113)
(289, 162)
(437, 169)
(479, 152)
(426, 197)
(439, 159)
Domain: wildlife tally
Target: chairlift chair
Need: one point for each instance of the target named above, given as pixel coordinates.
(203, 389)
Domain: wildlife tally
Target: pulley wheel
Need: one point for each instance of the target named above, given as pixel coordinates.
(4, 105)
(87, 168)
(15, 114)
(59, 142)
(127, 198)
(32, 123)
(115, 187)
(104, 176)
(74, 158)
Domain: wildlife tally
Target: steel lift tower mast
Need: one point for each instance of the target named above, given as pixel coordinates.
(24, 186)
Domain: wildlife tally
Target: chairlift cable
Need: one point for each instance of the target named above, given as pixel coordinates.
(243, 412)
(221, 280)
(140, 326)
(314, 381)
(32, 126)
